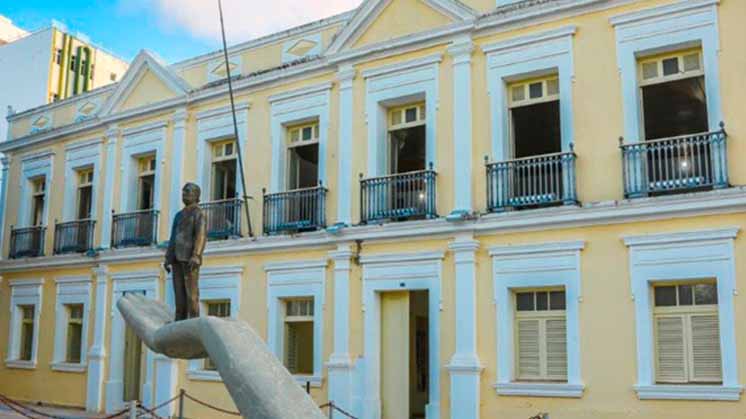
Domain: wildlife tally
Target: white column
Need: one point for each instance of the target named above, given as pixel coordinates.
(166, 369)
(112, 134)
(461, 51)
(465, 368)
(177, 164)
(340, 363)
(5, 161)
(346, 75)
(97, 353)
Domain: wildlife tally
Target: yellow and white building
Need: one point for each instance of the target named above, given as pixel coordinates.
(446, 221)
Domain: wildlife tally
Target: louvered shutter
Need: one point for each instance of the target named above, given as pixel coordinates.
(706, 362)
(529, 358)
(291, 354)
(556, 341)
(671, 349)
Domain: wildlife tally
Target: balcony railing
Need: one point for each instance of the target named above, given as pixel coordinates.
(531, 182)
(398, 197)
(678, 164)
(223, 218)
(133, 229)
(74, 236)
(296, 210)
(27, 242)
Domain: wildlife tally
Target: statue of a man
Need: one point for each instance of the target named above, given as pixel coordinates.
(184, 254)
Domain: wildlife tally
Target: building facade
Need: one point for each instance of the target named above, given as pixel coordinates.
(459, 210)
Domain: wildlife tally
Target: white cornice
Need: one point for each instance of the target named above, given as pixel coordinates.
(221, 270)
(209, 113)
(308, 90)
(525, 249)
(134, 276)
(37, 156)
(26, 282)
(144, 128)
(77, 145)
(530, 39)
(72, 280)
(665, 10)
(295, 265)
(406, 65)
(681, 237)
(400, 257)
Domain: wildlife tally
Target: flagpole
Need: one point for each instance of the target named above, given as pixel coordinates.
(235, 123)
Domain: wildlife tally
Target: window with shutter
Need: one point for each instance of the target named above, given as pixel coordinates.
(216, 309)
(541, 335)
(687, 334)
(299, 341)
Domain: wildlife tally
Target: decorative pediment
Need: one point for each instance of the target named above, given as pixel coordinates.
(377, 20)
(148, 80)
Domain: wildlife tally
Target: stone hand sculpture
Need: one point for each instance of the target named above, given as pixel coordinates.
(261, 387)
(184, 254)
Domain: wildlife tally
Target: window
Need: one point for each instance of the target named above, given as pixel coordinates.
(38, 196)
(535, 117)
(224, 157)
(85, 193)
(26, 349)
(73, 60)
(303, 156)
(58, 56)
(687, 337)
(298, 351)
(216, 309)
(93, 68)
(541, 335)
(674, 99)
(407, 138)
(113, 77)
(74, 333)
(146, 182)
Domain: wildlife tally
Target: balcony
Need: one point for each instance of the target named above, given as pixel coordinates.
(675, 165)
(223, 218)
(294, 211)
(74, 236)
(27, 242)
(531, 182)
(398, 197)
(134, 229)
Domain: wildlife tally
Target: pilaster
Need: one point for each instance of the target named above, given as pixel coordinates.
(180, 119)
(461, 51)
(345, 76)
(5, 162)
(112, 135)
(340, 362)
(97, 353)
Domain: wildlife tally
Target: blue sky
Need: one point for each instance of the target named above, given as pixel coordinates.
(175, 29)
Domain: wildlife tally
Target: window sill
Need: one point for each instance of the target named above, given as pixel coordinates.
(24, 365)
(68, 367)
(540, 389)
(314, 380)
(688, 392)
(204, 375)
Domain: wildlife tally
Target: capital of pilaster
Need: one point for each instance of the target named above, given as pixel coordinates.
(112, 132)
(5, 162)
(346, 75)
(461, 50)
(339, 362)
(101, 272)
(464, 245)
(180, 118)
(465, 364)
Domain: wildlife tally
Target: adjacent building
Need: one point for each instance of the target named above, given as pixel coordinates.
(460, 209)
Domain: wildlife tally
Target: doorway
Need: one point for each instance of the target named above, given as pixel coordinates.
(405, 360)
(132, 365)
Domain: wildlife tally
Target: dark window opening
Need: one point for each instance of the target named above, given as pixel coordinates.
(407, 152)
(675, 108)
(85, 203)
(536, 129)
(224, 176)
(303, 167)
(147, 189)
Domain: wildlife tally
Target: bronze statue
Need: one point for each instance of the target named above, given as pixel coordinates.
(184, 254)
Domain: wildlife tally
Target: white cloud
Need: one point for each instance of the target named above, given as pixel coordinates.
(244, 19)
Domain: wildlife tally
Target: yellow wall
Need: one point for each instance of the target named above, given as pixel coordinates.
(399, 18)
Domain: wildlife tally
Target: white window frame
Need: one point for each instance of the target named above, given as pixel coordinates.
(674, 257)
(291, 280)
(545, 265)
(23, 292)
(82, 155)
(683, 25)
(138, 142)
(70, 290)
(522, 58)
(392, 86)
(290, 144)
(219, 283)
(294, 108)
(34, 166)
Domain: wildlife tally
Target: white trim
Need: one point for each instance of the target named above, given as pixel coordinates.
(297, 279)
(461, 51)
(402, 66)
(4, 171)
(345, 76)
(526, 56)
(112, 135)
(288, 108)
(70, 290)
(84, 154)
(398, 272)
(178, 150)
(138, 141)
(216, 283)
(23, 292)
(675, 257)
(529, 266)
(340, 365)
(97, 353)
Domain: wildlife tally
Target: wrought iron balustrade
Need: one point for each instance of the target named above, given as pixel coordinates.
(223, 218)
(296, 210)
(531, 182)
(677, 164)
(133, 229)
(27, 242)
(74, 236)
(398, 197)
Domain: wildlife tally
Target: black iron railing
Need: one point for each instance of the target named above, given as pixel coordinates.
(74, 236)
(398, 197)
(296, 210)
(27, 242)
(223, 218)
(531, 182)
(132, 229)
(677, 164)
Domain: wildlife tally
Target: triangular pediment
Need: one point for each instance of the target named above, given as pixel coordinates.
(148, 80)
(376, 21)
